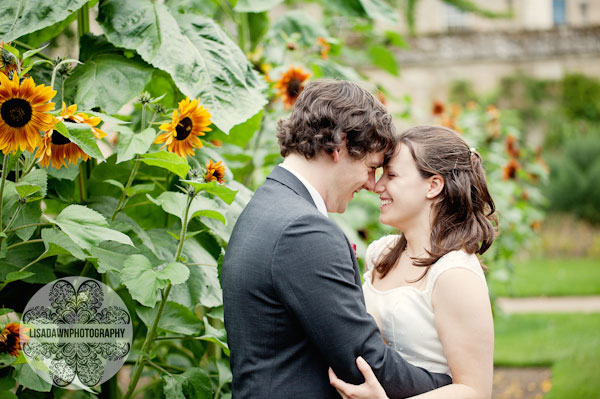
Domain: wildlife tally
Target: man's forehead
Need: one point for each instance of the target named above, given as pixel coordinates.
(374, 159)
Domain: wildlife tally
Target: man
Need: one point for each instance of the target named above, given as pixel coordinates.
(291, 285)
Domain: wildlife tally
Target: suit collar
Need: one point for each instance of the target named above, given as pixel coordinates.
(288, 179)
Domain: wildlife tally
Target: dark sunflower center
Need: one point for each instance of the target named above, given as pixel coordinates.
(59, 139)
(184, 128)
(16, 112)
(70, 120)
(294, 87)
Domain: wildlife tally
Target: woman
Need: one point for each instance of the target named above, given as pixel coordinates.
(426, 288)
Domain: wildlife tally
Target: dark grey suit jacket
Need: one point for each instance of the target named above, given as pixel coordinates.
(294, 304)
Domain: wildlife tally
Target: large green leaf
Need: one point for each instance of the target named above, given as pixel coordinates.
(28, 378)
(111, 256)
(87, 227)
(82, 135)
(39, 177)
(255, 5)
(167, 160)
(131, 143)
(380, 10)
(141, 279)
(221, 191)
(383, 58)
(19, 17)
(175, 318)
(194, 383)
(108, 81)
(240, 134)
(58, 243)
(301, 23)
(202, 60)
(37, 38)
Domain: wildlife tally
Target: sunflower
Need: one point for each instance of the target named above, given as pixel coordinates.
(324, 47)
(215, 171)
(23, 113)
(68, 114)
(437, 108)
(290, 85)
(509, 171)
(11, 338)
(188, 122)
(512, 146)
(55, 148)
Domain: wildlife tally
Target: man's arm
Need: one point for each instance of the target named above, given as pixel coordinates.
(314, 274)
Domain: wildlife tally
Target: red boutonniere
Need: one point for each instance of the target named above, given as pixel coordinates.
(354, 249)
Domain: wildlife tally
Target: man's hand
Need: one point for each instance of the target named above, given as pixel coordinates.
(370, 389)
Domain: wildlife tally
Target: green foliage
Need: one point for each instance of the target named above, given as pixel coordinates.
(581, 97)
(573, 181)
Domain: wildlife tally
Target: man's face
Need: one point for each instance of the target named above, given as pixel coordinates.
(352, 176)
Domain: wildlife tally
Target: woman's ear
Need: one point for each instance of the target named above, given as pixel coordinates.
(436, 185)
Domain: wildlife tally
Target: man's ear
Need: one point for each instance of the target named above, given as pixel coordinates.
(436, 185)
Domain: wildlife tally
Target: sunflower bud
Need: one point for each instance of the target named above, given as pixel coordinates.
(159, 109)
(195, 174)
(144, 98)
(8, 58)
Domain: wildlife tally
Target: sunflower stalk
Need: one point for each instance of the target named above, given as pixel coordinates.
(4, 173)
(150, 336)
(122, 199)
(14, 217)
(33, 262)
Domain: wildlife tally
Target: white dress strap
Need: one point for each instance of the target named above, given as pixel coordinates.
(453, 260)
(378, 248)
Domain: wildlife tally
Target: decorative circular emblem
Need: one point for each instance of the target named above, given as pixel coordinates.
(80, 332)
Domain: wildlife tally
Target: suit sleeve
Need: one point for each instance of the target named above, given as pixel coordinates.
(313, 273)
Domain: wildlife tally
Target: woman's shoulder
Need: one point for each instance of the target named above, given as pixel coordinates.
(455, 259)
(377, 248)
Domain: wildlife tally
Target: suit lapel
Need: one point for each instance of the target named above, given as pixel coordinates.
(288, 179)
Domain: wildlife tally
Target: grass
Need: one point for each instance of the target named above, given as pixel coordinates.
(569, 343)
(551, 277)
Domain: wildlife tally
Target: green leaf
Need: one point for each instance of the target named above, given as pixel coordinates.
(175, 318)
(202, 60)
(298, 22)
(58, 243)
(37, 38)
(383, 58)
(5, 311)
(82, 135)
(24, 375)
(130, 143)
(240, 135)
(162, 84)
(37, 177)
(26, 189)
(175, 272)
(255, 5)
(380, 10)
(258, 26)
(87, 227)
(31, 53)
(108, 81)
(175, 203)
(15, 276)
(19, 17)
(167, 160)
(212, 334)
(194, 383)
(141, 280)
(111, 256)
(139, 189)
(221, 191)
(330, 69)
(115, 183)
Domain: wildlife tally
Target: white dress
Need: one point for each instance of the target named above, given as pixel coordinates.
(405, 314)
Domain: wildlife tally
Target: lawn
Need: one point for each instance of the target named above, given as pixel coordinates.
(568, 343)
(551, 277)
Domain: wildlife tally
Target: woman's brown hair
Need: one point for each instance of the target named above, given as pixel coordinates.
(463, 212)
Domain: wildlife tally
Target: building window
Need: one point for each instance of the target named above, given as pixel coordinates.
(583, 6)
(456, 19)
(559, 12)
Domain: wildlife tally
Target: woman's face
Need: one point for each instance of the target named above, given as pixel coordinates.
(403, 192)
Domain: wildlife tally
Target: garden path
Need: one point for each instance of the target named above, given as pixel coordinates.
(586, 304)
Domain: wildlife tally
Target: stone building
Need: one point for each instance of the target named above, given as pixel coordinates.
(543, 38)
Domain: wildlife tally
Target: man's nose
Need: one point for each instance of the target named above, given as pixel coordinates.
(370, 184)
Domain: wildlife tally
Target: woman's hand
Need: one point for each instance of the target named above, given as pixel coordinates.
(370, 389)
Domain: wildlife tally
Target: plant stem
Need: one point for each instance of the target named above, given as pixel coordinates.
(22, 270)
(83, 20)
(136, 165)
(14, 216)
(27, 225)
(81, 183)
(86, 267)
(146, 346)
(24, 243)
(4, 173)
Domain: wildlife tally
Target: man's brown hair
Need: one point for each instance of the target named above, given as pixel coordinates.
(326, 112)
